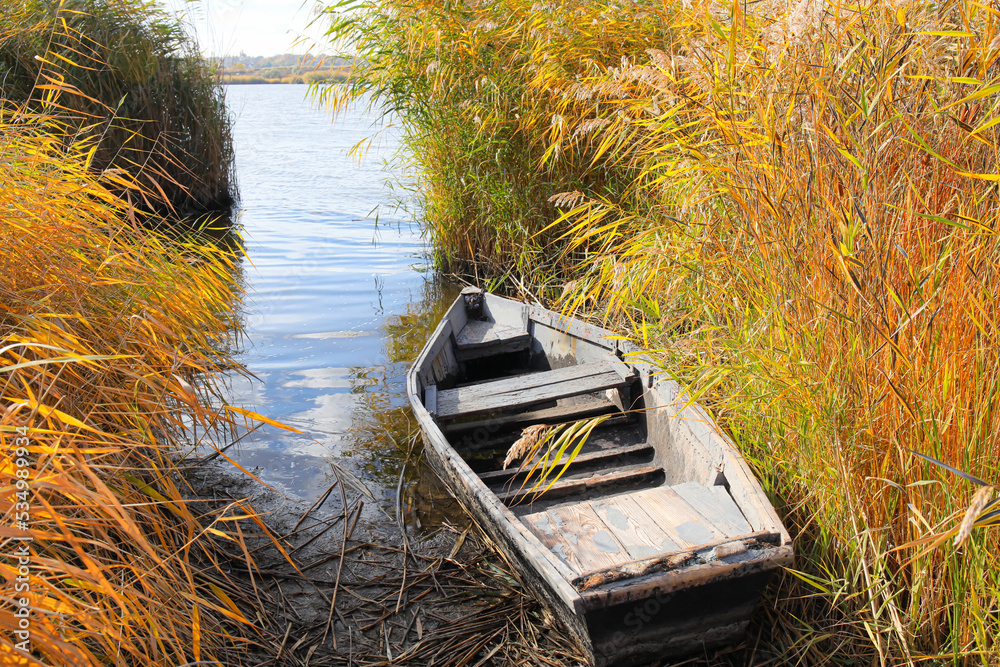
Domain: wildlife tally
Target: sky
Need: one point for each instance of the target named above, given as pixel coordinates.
(254, 27)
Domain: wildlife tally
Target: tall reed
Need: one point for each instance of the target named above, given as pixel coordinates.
(794, 207)
(148, 101)
(469, 115)
(111, 338)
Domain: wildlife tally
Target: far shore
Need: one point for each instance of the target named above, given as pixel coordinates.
(305, 78)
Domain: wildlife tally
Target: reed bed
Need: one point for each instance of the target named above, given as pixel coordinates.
(793, 207)
(147, 100)
(110, 337)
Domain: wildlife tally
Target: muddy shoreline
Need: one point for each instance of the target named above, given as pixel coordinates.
(349, 589)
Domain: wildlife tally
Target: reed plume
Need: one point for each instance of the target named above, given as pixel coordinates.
(531, 438)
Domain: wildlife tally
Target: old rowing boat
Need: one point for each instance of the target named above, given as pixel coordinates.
(658, 540)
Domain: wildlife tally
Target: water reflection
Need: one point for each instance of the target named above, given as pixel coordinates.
(384, 434)
(338, 304)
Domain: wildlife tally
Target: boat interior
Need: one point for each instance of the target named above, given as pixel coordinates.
(644, 484)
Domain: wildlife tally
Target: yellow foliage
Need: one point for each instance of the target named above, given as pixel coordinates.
(794, 206)
(110, 339)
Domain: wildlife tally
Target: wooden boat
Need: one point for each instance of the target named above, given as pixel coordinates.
(658, 540)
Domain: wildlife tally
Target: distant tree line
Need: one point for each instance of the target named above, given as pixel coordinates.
(283, 68)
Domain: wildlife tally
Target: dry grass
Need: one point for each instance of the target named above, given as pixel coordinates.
(794, 207)
(443, 598)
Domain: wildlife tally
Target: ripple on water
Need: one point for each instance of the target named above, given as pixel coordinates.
(337, 304)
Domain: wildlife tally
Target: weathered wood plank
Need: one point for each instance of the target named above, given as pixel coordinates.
(481, 440)
(683, 523)
(495, 476)
(446, 364)
(716, 505)
(533, 388)
(578, 537)
(430, 398)
(486, 334)
(557, 415)
(505, 347)
(425, 363)
(574, 327)
(689, 420)
(674, 580)
(664, 562)
(633, 527)
(537, 380)
(483, 339)
(511, 313)
(566, 487)
(458, 315)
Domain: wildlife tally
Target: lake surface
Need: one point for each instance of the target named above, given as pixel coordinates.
(340, 296)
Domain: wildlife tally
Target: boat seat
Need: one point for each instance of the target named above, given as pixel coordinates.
(522, 391)
(518, 491)
(594, 535)
(600, 455)
(568, 409)
(484, 339)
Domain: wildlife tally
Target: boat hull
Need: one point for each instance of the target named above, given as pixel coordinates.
(669, 606)
(661, 624)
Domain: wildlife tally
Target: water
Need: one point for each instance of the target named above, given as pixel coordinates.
(340, 296)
